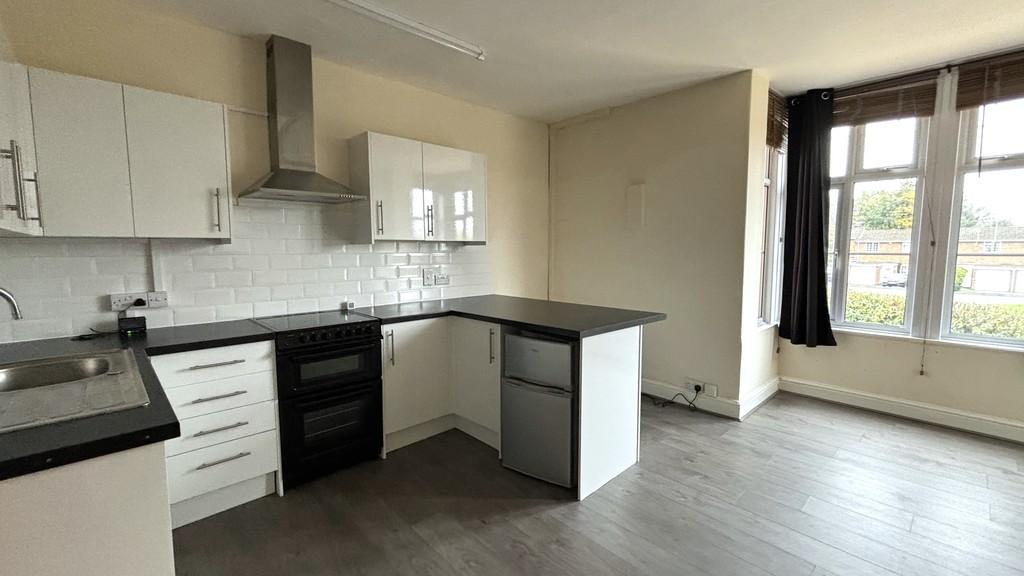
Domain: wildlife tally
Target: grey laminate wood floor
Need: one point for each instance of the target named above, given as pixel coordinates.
(801, 487)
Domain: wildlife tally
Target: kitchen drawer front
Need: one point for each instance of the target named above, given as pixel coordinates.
(207, 469)
(203, 431)
(186, 368)
(219, 395)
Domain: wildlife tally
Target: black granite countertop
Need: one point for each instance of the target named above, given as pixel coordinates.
(33, 449)
(199, 336)
(546, 316)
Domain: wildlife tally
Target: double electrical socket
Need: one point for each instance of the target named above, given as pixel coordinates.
(119, 302)
(435, 277)
(705, 389)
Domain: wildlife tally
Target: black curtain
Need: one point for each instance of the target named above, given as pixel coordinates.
(804, 302)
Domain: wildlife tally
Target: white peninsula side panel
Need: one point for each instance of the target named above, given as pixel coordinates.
(609, 407)
(106, 516)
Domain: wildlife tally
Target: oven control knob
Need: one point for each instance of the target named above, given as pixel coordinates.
(303, 338)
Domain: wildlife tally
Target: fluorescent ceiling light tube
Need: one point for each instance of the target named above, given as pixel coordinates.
(411, 26)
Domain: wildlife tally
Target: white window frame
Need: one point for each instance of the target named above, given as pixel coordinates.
(966, 163)
(774, 217)
(844, 224)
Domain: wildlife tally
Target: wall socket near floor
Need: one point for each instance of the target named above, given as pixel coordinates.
(690, 385)
(435, 277)
(119, 302)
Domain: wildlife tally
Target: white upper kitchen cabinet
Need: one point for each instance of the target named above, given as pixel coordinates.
(178, 156)
(476, 377)
(416, 373)
(415, 191)
(82, 154)
(19, 212)
(389, 170)
(456, 181)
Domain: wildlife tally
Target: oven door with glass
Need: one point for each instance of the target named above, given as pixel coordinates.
(328, 367)
(329, 430)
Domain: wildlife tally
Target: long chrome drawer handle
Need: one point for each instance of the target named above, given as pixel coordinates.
(221, 429)
(216, 364)
(206, 465)
(218, 397)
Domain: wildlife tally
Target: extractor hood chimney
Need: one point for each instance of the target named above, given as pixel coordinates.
(293, 174)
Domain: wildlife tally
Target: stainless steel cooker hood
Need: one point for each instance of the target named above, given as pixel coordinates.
(293, 174)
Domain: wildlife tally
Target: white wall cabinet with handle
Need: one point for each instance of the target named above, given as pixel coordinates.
(82, 155)
(416, 373)
(476, 377)
(19, 211)
(416, 191)
(456, 182)
(389, 170)
(180, 178)
(120, 161)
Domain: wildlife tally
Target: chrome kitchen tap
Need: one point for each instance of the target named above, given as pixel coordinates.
(15, 310)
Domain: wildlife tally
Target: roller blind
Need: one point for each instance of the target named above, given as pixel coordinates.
(990, 80)
(903, 97)
(778, 120)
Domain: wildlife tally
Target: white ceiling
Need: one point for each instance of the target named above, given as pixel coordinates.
(555, 59)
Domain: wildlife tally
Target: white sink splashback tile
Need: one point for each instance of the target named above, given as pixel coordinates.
(282, 260)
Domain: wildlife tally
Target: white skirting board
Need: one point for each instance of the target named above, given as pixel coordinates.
(753, 399)
(478, 431)
(735, 409)
(934, 414)
(193, 509)
(413, 434)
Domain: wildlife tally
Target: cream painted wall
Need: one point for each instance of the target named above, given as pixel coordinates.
(6, 53)
(691, 150)
(127, 42)
(986, 382)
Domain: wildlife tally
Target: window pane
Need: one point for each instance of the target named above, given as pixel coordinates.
(1003, 130)
(877, 289)
(833, 208)
(988, 289)
(890, 144)
(879, 265)
(839, 151)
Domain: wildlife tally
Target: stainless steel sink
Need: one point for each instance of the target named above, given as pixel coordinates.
(49, 372)
(50, 390)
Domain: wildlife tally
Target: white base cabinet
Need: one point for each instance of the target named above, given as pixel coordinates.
(104, 516)
(476, 377)
(439, 374)
(416, 373)
(229, 449)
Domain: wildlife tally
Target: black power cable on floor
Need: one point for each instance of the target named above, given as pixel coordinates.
(660, 403)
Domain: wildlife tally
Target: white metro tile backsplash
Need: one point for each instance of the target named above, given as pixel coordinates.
(282, 260)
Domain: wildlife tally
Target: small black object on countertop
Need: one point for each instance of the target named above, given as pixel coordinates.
(545, 316)
(33, 449)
